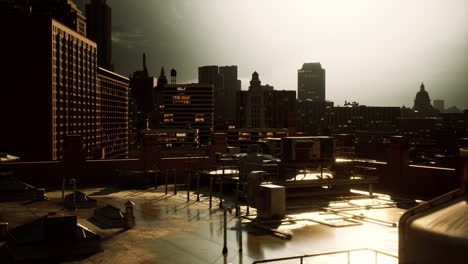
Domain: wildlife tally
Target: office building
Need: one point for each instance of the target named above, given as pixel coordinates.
(230, 87)
(187, 106)
(226, 85)
(51, 75)
(352, 117)
(263, 107)
(114, 113)
(310, 116)
(439, 105)
(99, 24)
(311, 82)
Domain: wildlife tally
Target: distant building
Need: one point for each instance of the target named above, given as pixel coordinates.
(310, 115)
(51, 72)
(439, 105)
(226, 85)
(230, 86)
(176, 138)
(311, 82)
(114, 113)
(244, 137)
(352, 117)
(187, 106)
(142, 103)
(263, 107)
(99, 24)
(422, 103)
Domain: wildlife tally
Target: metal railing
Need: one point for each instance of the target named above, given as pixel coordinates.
(347, 252)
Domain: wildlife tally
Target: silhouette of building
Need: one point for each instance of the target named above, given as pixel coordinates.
(51, 75)
(422, 103)
(263, 107)
(64, 11)
(187, 106)
(141, 107)
(114, 113)
(310, 116)
(352, 117)
(439, 105)
(99, 24)
(230, 86)
(311, 82)
(226, 85)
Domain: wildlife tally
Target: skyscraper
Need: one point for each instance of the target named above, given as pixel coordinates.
(53, 91)
(230, 86)
(226, 85)
(311, 82)
(98, 18)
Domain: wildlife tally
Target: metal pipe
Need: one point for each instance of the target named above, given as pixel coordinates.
(167, 172)
(211, 190)
(225, 250)
(188, 186)
(175, 181)
(221, 193)
(237, 200)
(239, 220)
(198, 187)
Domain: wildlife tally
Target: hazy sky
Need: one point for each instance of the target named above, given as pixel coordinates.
(375, 52)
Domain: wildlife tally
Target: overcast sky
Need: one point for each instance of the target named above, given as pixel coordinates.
(375, 52)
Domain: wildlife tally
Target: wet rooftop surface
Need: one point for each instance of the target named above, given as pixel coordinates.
(171, 230)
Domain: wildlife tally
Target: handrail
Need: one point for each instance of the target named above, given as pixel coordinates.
(348, 252)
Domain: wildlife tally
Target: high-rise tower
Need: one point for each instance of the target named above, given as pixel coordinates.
(311, 82)
(98, 18)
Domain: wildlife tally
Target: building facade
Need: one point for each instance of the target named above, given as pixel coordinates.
(52, 91)
(226, 85)
(352, 117)
(187, 106)
(114, 113)
(310, 116)
(263, 107)
(311, 82)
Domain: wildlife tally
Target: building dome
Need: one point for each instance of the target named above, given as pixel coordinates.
(422, 102)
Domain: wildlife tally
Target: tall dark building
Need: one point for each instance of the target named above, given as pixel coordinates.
(52, 73)
(226, 85)
(263, 107)
(114, 113)
(99, 23)
(422, 103)
(141, 98)
(310, 116)
(311, 82)
(230, 86)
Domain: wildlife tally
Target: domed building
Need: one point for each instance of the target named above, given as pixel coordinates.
(422, 103)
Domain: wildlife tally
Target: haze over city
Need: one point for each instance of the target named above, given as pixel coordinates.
(375, 52)
(221, 131)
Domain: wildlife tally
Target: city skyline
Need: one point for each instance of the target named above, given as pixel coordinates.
(376, 53)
